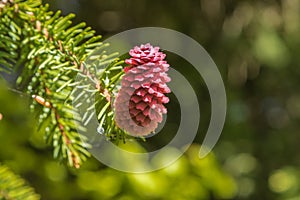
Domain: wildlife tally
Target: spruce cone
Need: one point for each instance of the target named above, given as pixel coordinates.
(139, 103)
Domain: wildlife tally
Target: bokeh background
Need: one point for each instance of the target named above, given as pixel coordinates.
(255, 45)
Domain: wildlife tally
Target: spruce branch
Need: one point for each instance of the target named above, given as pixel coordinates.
(44, 53)
(12, 187)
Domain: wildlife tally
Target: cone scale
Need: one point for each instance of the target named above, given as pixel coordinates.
(139, 104)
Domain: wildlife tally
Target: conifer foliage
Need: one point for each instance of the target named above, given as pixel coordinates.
(42, 52)
(14, 187)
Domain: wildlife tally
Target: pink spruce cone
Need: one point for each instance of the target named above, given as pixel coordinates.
(139, 103)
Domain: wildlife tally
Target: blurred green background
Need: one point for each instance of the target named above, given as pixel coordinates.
(255, 45)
